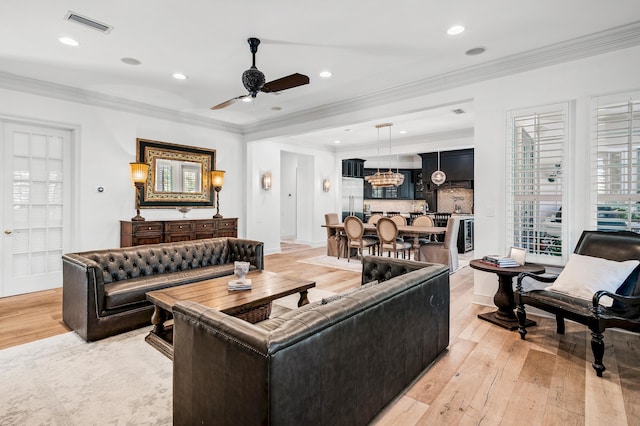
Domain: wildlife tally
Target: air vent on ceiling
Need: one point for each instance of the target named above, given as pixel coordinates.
(92, 23)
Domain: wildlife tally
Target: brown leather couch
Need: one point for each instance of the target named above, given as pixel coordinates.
(104, 291)
(337, 363)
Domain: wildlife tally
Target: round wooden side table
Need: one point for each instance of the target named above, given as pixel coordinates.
(503, 299)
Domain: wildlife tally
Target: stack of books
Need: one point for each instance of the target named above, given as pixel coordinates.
(235, 285)
(501, 261)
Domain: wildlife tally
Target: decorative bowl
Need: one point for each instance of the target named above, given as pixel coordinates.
(184, 211)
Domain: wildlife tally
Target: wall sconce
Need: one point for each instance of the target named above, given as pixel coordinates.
(217, 179)
(326, 185)
(139, 175)
(266, 181)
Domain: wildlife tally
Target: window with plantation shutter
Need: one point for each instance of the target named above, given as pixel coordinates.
(535, 182)
(616, 152)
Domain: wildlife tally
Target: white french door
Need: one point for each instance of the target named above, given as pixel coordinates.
(35, 206)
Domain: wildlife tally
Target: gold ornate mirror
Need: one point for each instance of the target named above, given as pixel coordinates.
(179, 175)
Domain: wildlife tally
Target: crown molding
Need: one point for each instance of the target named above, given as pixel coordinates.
(613, 39)
(73, 94)
(467, 132)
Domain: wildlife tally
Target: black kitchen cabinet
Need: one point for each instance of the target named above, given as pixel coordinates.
(458, 165)
(402, 192)
(418, 185)
(353, 167)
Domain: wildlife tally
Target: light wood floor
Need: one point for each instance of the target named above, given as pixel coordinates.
(487, 375)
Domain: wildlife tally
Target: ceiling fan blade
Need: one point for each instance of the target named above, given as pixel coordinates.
(284, 83)
(227, 103)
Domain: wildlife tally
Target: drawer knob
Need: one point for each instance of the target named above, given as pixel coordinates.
(205, 226)
(180, 226)
(149, 228)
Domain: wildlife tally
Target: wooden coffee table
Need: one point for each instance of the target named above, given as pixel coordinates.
(266, 287)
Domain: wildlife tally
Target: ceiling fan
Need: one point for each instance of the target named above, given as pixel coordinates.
(254, 81)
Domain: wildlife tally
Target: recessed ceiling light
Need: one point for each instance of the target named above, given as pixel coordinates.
(402, 132)
(336, 142)
(68, 41)
(455, 30)
(276, 108)
(247, 99)
(458, 111)
(326, 74)
(131, 61)
(180, 76)
(475, 51)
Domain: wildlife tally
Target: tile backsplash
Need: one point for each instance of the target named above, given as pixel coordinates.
(448, 199)
(403, 206)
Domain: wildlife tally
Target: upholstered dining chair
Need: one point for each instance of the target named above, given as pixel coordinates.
(399, 220)
(374, 218)
(335, 239)
(354, 228)
(445, 252)
(423, 221)
(388, 236)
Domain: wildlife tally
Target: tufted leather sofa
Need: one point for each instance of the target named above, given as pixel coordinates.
(104, 291)
(336, 363)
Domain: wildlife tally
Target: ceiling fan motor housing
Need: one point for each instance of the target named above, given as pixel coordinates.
(253, 80)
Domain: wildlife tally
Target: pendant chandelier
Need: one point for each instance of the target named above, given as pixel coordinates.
(438, 177)
(388, 178)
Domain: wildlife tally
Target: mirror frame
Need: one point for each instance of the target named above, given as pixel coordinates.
(147, 151)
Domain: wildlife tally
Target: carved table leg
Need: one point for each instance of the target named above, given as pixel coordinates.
(303, 298)
(504, 300)
(157, 319)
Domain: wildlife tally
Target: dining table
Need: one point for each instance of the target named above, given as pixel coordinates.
(403, 231)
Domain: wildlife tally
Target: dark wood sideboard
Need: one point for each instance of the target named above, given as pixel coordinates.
(169, 231)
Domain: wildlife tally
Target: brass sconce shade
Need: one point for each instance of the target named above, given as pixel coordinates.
(326, 185)
(139, 175)
(139, 172)
(266, 181)
(217, 180)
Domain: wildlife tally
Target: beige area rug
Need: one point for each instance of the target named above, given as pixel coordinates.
(63, 380)
(121, 380)
(333, 262)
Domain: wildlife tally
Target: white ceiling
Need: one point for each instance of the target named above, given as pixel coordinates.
(370, 46)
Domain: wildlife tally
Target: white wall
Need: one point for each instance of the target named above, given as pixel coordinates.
(264, 221)
(106, 142)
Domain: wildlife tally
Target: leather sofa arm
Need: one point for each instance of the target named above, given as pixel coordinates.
(241, 250)
(541, 278)
(384, 268)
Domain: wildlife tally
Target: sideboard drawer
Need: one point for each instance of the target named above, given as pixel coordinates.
(147, 228)
(227, 224)
(205, 229)
(178, 226)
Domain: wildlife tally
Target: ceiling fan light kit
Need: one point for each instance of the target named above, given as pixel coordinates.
(254, 80)
(389, 178)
